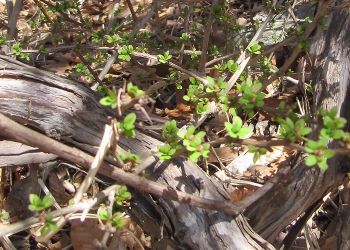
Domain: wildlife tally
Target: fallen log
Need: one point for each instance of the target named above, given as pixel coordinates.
(304, 187)
(70, 112)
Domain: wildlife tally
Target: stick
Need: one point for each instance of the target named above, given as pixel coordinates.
(19, 133)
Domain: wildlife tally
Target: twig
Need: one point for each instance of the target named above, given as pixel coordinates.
(106, 142)
(106, 68)
(11, 129)
(297, 50)
(131, 8)
(112, 15)
(81, 57)
(142, 22)
(13, 19)
(66, 17)
(206, 37)
(43, 10)
(173, 64)
(215, 60)
(30, 222)
(158, 24)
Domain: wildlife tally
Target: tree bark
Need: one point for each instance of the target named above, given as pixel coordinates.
(70, 112)
(305, 186)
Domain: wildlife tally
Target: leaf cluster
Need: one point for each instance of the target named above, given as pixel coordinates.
(37, 204)
(235, 129)
(127, 126)
(252, 97)
(193, 143)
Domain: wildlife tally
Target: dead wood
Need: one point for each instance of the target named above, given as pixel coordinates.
(68, 111)
(304, 187)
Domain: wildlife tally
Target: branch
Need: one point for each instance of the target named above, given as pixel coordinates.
(19, 133)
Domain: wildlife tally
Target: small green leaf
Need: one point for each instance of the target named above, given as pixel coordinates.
(130, 118)
(323, 165)
(34, 199)
(104, 215)
(310, 160)
(327, 153)
(256, 157)
(47, 201)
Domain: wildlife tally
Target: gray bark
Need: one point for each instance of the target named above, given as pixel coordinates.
(305, 186)
(70, 112)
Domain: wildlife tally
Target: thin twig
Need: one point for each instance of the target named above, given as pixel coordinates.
(132, 11)
(112, 15)
(11, 129)
(92, 72)
(206, 37)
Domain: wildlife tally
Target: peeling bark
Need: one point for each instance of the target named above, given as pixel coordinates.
(304, 186)
(70, 112)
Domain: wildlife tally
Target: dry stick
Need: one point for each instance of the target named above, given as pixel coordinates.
(43, 10)
(112, 15)
(25, 224)
(9, 7)
(297, 50)
(66, 17)
(206, 40)
(13, 20)
(13, 12)
(107, 140)
(131, 8)
(101, 153)
(251, 15)
(19, 133)
(215, 60)
(175, 66)
(189, 12)
(142, 22)
(158, 24)
(81, 57)
(114, 57)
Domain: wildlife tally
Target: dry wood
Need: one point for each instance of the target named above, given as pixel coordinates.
(304, 187)
(68, 111)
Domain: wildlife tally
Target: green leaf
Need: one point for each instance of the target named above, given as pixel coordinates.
(237, 123)
(337, 134)
(256, 157)
(252, 148)
(310, 160)
(104, 215)
(305, 130)
(210, 81)
(327, 153)
(333, 112)
(47, 201)
(313, 145)
(323, 165)
(34, 199)
(243, 132)
(130, 118)
(194, 156)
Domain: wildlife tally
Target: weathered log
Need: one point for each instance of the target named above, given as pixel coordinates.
(70, 112)
(305, 186)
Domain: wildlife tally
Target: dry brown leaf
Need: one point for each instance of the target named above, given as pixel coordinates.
(86, 235)
(245, 161)
(57, 67)
(225, 154)
(242, 191)
(331, 243)
(62, 242)
(57, 189)
(182, 111)
(17, 202)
